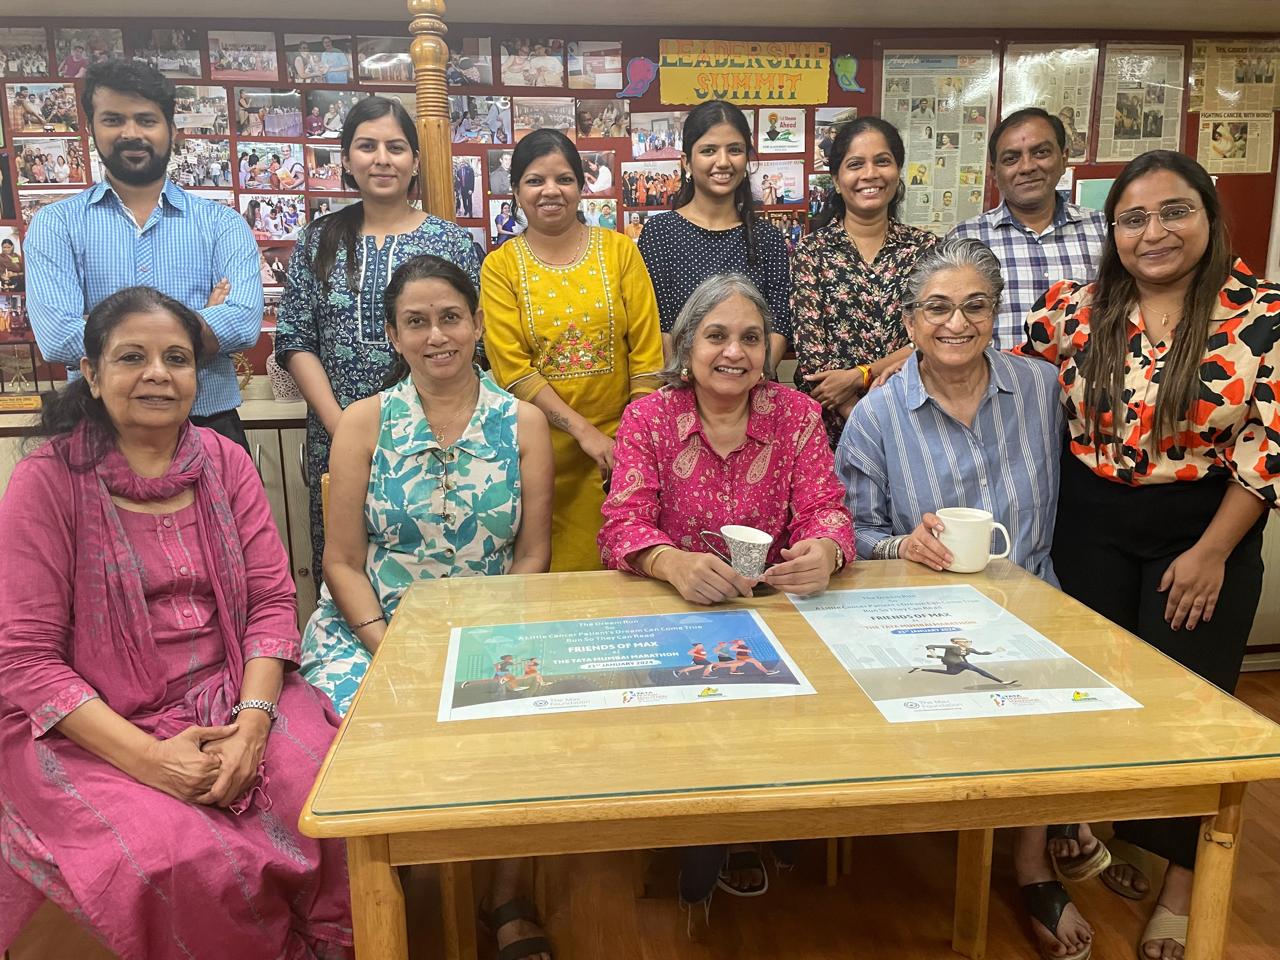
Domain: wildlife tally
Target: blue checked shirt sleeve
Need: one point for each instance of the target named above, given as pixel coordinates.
(860, 466)
(55, 288)
(237, 322)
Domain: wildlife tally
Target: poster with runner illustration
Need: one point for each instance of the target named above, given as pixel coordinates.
(560, 666)
(951, 653)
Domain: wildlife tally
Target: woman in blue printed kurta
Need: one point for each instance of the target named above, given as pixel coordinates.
(331, 330)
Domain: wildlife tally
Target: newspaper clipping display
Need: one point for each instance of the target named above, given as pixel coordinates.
(1056, 79)
(941, 101)
(1234, 75)
(1237, 142)
(1141, 104)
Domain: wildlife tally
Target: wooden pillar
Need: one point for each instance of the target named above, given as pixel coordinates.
(430, 56)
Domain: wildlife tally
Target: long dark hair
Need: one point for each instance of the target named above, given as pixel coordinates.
(61, 412)
(701, 119)
(1115, 294)
(342, 229)
(423, 267)
(833, 208)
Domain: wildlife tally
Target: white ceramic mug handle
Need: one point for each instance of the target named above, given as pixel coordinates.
(1008, 543)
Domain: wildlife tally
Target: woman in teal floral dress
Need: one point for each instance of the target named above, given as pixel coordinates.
(331, 331)
(442, 474)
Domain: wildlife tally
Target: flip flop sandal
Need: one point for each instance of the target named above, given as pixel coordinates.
(1087, 865)
(739, 861)
(1045, 902)
(517, 909)
(1116, 860)
(1123, 890)
(1163, 925)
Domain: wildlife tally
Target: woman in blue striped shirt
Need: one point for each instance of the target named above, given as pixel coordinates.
(962, 425)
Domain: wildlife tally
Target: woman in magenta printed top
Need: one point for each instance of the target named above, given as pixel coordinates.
(721, 444)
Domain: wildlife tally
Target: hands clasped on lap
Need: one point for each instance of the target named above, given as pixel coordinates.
(212, 766)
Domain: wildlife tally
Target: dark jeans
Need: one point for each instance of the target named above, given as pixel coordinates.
(226, 423)
(1112, 545)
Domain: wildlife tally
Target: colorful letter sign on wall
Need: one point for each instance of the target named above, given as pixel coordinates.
(743, 71)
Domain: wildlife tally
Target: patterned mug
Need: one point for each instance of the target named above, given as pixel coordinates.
(747, 546)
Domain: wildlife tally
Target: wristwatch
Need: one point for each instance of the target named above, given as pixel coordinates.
(266, 706)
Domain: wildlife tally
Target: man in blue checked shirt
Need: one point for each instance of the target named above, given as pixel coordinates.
(1038, 236)
(140, 228)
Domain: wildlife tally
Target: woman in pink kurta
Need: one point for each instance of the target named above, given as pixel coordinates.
(156, 746)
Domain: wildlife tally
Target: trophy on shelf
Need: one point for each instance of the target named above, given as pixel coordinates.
(20, 360)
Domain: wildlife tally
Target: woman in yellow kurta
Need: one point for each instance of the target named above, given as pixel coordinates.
(571, 325)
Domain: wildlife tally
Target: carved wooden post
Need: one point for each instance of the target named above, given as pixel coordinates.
(430, 55)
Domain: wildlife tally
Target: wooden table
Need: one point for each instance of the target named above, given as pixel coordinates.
(405, 789)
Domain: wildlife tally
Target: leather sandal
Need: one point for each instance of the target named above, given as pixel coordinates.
(517, 909)
(1124, 854)
(1086, 866)
(1045, 902)
(1163, 925)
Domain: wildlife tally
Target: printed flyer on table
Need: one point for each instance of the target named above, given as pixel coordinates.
(521, 669)
(950, 653)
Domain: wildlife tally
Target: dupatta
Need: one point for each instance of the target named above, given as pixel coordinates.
(113, 648)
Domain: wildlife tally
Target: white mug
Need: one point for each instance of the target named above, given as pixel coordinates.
(748, 548)
(967, 534)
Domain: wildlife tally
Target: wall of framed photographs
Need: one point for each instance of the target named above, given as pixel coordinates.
(261, 104)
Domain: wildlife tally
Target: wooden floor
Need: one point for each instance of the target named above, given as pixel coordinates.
(896, 903)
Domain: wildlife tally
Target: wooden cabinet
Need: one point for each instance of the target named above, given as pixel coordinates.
(279, 455)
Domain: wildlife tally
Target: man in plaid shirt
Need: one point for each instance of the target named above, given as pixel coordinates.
(1039, 237)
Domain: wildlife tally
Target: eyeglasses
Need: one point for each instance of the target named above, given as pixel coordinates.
(938, 311)
(1173, 216)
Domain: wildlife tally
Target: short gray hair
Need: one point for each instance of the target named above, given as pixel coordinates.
(712, 292)
(957, 253)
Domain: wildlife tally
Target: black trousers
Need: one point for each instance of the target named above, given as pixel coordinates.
(1112, 545)
(226, 423)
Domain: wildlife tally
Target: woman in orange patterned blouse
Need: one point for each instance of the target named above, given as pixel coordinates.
(1168, 364)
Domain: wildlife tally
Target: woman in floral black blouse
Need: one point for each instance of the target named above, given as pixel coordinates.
(849, 275)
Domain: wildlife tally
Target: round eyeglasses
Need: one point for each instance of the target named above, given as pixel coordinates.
(938, 311)
(1173, 216)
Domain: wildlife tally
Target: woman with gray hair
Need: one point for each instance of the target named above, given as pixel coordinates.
(962, 425)
(721, 444)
